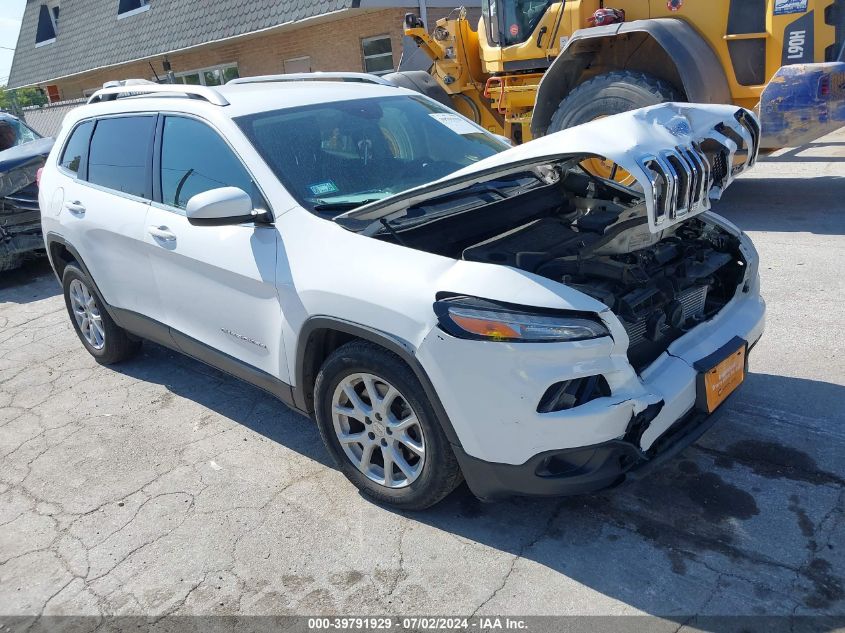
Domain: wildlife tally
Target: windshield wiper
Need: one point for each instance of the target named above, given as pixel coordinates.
(342, 206)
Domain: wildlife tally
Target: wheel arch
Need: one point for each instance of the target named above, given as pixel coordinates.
(61, 253)
(668, 48)
(321, 335)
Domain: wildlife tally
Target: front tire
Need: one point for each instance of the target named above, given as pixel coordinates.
(106, 341)
(381, 430)
(609, 94)
(605, 95)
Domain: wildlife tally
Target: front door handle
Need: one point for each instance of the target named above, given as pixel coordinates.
(161, 233)
(75, 207)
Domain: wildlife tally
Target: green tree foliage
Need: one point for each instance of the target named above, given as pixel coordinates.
(23, 96)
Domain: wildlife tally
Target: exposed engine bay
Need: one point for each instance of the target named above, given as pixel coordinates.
(592, 235)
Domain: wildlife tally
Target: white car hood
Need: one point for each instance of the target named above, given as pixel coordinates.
(689, 152)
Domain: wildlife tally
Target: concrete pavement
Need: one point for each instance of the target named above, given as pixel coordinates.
(161, 486)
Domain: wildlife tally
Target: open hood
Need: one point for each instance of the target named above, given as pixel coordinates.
(681, 155)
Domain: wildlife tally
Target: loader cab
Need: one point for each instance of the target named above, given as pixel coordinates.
(518, 35)
(526, 35)
(510, 22)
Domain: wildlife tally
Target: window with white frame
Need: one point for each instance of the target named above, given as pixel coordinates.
(125, 8)
(48, 23)
(298, 65)
(378, 54)
(211, 76)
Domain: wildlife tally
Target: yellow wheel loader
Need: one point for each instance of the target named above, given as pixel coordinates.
(534, 67)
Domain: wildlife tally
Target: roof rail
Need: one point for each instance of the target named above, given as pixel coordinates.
(112, 92)
(315, 76)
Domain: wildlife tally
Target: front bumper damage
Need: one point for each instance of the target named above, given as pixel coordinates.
(507, 448)
(583, 470)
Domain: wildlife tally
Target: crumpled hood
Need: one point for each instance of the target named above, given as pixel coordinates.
(682, 156)
(18, 164)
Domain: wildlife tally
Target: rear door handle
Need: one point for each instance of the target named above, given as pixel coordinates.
(161, 233)
(75, 207)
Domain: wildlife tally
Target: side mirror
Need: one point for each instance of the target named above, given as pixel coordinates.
(218, 207)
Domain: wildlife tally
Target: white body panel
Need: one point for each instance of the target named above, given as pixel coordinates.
(248, 290)
(218, 285)
(110, 228)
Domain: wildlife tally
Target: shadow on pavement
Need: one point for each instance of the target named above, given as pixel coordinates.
(799, 154)
(801, 205)
(33, 281)
(726, 503)
(225, 395)
(738, 501)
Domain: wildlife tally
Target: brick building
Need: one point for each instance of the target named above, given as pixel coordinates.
(71, 47)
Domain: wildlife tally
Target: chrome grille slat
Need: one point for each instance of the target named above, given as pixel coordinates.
(696, 172)
(695, 183)
(672, 182)
(683, 175)
(708, 176)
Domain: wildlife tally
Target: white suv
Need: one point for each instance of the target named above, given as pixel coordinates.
(444, 306)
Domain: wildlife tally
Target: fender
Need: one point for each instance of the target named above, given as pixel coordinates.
(391, 343)
(54, 238)
(697, 69)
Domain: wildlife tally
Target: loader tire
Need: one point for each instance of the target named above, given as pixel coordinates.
(612, 93)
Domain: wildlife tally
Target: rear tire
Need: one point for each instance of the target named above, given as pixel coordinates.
(106, 341)
(609, 94)
(398, 423)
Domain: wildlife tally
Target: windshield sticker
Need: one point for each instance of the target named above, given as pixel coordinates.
(782, 7)
(322, 188)
(455, 122)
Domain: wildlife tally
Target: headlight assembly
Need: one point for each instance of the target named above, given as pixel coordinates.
(466, 317)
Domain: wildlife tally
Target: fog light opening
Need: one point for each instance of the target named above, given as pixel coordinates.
(569, 394)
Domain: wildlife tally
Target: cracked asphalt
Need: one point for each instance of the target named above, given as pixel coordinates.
(161, 486)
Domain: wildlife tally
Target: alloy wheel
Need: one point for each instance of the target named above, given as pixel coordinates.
(87, 315)
(378, 430)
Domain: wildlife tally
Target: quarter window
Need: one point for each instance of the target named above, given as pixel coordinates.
(119, 155)
(195, 159)
(378, 54)
(77, 148)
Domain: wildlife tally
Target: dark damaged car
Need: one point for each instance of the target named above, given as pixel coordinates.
(22, 154)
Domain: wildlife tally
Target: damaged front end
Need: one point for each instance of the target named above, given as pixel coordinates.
(20, 218)
(649, 252)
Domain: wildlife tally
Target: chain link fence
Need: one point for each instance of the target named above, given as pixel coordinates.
(47, 119)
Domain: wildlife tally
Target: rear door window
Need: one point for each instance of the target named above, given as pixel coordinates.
(76, 150)
(120, 154)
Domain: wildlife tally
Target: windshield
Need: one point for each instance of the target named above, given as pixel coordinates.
(513, 21)
(14, 133)
(336, 156)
